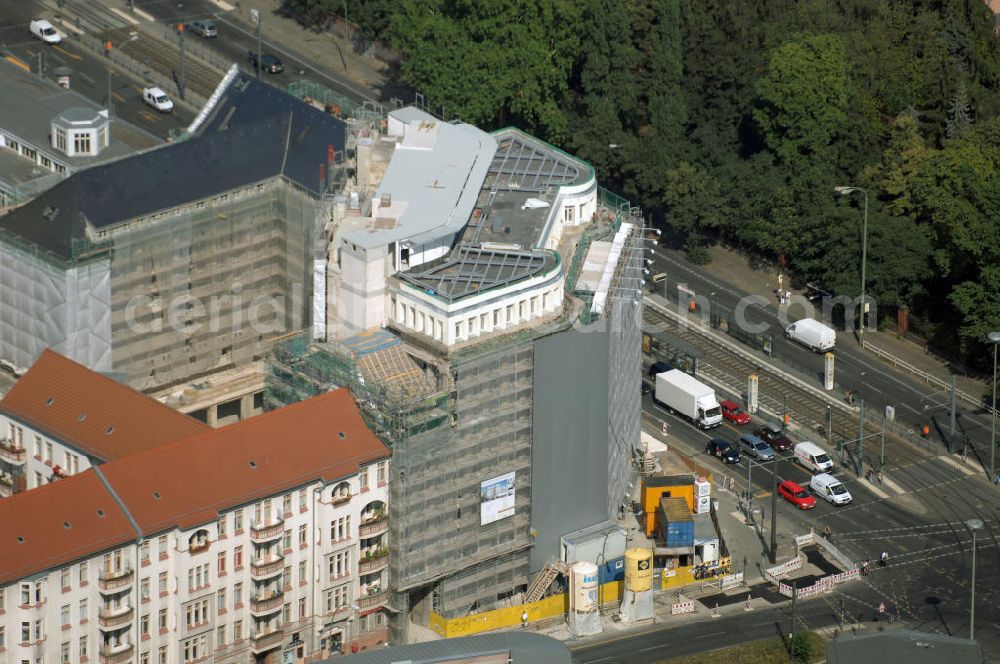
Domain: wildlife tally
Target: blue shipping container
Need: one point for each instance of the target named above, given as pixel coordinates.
(613, 570)
(679, 533)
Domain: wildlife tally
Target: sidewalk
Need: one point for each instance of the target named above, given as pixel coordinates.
(762, 279)
(325, 48)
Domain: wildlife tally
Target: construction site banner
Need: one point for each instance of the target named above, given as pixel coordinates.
(496, 499)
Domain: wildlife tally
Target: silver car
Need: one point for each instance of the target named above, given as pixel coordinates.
(203, 28)
(756, 447)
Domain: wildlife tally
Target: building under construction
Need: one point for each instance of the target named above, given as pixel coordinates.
(484, 306)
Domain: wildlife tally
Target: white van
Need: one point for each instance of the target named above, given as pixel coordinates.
(830, 488)
(812, 334)
(812, 457)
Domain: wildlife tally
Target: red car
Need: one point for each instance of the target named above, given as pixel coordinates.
(796, 495)
(734, 413)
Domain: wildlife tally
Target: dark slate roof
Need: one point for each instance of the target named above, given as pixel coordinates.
(524, 648)
(253, 135)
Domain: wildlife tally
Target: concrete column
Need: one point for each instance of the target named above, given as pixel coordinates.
(246, 406)
(212, 416)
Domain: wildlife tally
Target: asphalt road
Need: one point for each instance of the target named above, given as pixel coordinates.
(877, 384)
(89, 74)
(920, 523)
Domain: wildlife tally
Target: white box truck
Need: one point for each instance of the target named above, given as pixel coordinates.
(683, 394)
(812, 334)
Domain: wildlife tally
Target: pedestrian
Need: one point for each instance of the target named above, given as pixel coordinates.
(524, 619)
(884, 559)
(828, 533)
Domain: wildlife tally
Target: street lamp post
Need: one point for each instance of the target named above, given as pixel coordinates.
(111, 99)
(994, 337)
(843, 191)
(973, 525)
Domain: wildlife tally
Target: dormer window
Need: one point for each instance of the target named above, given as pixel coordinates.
(198, 542)
(341, 493)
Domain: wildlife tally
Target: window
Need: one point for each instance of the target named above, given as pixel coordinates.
(64, 652)
(336, 598)
(220, 600)
(193, 649)
(38, 442)
(237, 630)
(39, 592)
(382, 472)
(144, 551)
(302, 608)
(39, 630)
(238, 557)
(82, 610)
(286, 540)
(3, 599)
(222, 563)
(3, 637)
(82, 574)
(198, 577)
(161, 620)
(39, 480)
(238, 520)
(197, 613)
(302, 500)
(222, 526)
(302, 573)
(496, 318)
(25, 594)
(303, 534)
(237, 594)
(144, 658)
(48, 452)
(64, 578)
(286, 577)
(102, 136)
(83, 646)
(340, 529)
(81, 143)
(144, 625)
(162, 583)
(25, 632)
(163, 655)
(220, 636)
(363, 476)
(64, 614)
(286, 614)
(161, 545)
(286, 503)
(339, 564)
(60, 139)
(144, 589)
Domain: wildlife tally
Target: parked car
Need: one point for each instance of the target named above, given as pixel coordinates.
(203, 28)
(42, 29)
(796, 495)
(269, 63)
(658, 368)
(732, 412)
(756, 447)
(723, 449)
(646, 388)
(772, 434)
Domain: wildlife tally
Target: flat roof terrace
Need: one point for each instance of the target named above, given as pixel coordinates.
(470, 270)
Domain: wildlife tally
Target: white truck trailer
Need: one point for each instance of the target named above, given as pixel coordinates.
(685, 395)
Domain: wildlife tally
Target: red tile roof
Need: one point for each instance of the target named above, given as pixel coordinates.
(188, 482)
(89, 411)
(34, 536)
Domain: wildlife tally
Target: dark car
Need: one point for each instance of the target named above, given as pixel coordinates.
(646, 388)
(658, 368)
(772, 434)
(723, 449)
(269, 63)
(203, 28)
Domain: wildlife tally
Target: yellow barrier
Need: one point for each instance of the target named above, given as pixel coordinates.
(510, 616)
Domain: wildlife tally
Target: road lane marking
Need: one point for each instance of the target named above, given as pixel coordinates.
(706, 636)
(124, 15)
(68, 54)
(145, 16)
(17, 61)
(223, 5)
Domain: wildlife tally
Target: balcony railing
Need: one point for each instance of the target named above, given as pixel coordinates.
(262, 642)
(265, 569)
(266, 604)
(117, 654)
(112, 619)
(374, 527)
(265, 532)
(11, 454)
(373, 600)
(115, 580)
(374, 564)
(340, 499)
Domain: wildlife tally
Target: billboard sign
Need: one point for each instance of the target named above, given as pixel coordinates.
(496, 499)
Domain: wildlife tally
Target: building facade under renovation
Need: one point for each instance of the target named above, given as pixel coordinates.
(178, 262)
(483, 304)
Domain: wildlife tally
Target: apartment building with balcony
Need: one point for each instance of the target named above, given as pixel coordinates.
(61, 418)
(263, 541)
